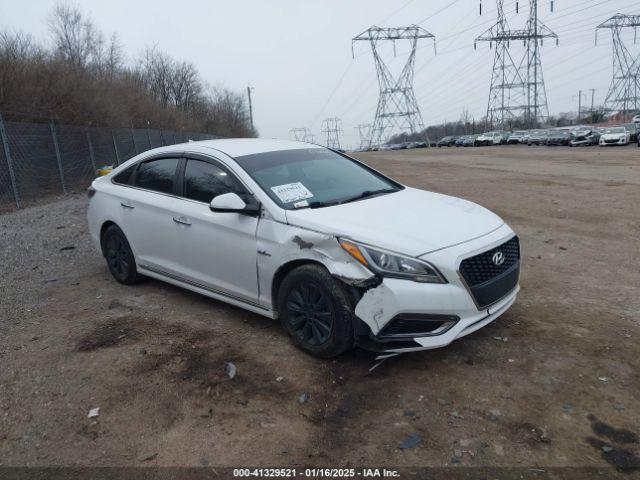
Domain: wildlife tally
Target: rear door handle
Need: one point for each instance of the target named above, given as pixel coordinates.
(182, 220)
(127, 205)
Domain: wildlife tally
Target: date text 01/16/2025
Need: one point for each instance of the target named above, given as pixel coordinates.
(316, 473)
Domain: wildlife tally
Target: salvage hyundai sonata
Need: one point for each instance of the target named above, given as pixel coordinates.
(339, 253)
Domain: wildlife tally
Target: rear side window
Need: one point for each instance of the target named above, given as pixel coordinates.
(204, 181)
(126, 176)
(157, 175)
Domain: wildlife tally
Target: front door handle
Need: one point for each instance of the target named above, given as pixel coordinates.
(182, 220)
(127, 205)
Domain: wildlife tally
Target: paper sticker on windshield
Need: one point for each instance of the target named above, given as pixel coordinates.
(291, 192)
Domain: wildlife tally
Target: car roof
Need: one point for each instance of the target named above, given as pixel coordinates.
(238, 147)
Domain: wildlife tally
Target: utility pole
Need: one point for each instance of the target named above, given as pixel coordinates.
(624, 92)
(249, 89)
(580, 104)
(397, 110)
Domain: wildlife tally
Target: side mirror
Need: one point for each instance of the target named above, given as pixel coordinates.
(232, 203)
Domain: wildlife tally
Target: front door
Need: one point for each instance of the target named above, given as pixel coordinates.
(218, 249)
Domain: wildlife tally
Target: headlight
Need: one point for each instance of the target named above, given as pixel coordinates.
(391, 264)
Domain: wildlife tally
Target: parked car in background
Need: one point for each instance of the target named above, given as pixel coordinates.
(460, 140)
(518, 136)
(537, 137)
(636, 118)
(489, 138)
(469, 141)
(584, 136)
(339, 253)
(449, 141)
(614, 136)
(558, 137)
(417, 145)
(633, 129)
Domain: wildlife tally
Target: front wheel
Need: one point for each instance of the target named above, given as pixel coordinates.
(316, 311)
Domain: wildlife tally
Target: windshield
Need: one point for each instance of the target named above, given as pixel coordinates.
(615, 130)
(313, 177)
(519, 133)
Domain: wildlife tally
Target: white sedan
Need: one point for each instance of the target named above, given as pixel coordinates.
(615, 136)
(340, 253)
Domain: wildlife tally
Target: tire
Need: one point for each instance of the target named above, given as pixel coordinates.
(119, 257)
(316, 311)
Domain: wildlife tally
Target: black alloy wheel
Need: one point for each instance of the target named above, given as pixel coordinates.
(309, 314)
(317, 311)
(119, 256)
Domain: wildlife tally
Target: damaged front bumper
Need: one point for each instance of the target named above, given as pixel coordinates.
(394, 307)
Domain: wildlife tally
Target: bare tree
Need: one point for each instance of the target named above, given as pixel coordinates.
(156, 73)
(75, 38)
(184, 85)
(82, 79)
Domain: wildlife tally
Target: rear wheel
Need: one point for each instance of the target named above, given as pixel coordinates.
(316, 311)
(120, 259)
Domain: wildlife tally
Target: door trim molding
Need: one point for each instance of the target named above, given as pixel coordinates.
(201, 286)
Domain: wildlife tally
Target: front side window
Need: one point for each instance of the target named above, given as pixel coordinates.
(313, 177)
(204, 181)
(157, 175)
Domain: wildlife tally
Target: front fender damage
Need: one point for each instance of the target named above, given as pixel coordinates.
(275, 250)
(326, 249)
(371, 292)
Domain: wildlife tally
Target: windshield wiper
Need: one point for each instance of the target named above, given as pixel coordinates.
(365, 194)
(317, 204)
(370, 193)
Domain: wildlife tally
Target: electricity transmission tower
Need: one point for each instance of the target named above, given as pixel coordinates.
(397, 105)
(517, 88)
(300, 134)
(332, 127)
(624, 92)
(364, 132)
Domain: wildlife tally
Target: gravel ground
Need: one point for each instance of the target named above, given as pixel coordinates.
(554, 382)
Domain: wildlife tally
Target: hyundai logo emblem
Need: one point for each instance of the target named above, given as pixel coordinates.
(498, 258)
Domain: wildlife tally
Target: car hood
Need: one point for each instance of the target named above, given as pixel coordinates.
(613, 136)
(411, 221)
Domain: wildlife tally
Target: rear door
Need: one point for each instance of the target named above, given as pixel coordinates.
(219, 250)
(149, 216)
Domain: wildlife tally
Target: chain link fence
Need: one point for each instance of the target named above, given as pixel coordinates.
(40, 159)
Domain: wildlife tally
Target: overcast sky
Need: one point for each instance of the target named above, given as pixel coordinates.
(297, 53)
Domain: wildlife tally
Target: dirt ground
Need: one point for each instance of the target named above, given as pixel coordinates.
(554, 382)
